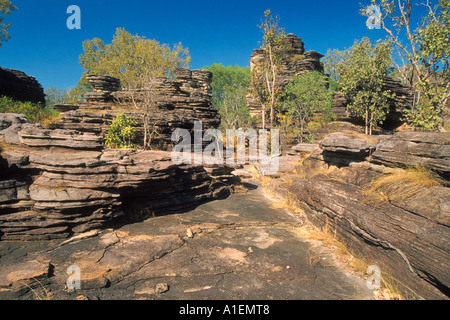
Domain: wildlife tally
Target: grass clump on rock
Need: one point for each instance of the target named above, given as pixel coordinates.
(411, 183)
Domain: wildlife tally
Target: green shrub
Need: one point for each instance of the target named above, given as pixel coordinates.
(423, 118)
(121, 132)
(35, 112)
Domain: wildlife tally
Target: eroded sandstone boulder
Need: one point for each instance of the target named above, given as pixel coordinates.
(415, 148)
(342, 148)
(65, 191)
(20, 86)
(406, 236)
(11, 124)
(295, 61)
(408, 240)
(179, 102)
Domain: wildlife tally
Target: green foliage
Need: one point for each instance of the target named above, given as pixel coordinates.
(434, 45)
(5, 8)
(425, 51)
(332, 60)
(289, 129)
(434, 38)
(305, 96)
(361, 77)
(34, 112)
(55, 96)
(423, 118)
(265, 75)
(121, 132)
(132, 59)
(229, 89)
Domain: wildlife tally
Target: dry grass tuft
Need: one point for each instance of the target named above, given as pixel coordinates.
(412, 183)
(46, 122)
(361, 136)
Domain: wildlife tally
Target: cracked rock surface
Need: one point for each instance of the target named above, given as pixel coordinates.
(237, 248)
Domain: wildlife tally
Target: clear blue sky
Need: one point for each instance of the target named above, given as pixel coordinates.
(215, 31)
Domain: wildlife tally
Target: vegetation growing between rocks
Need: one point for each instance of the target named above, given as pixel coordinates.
(138, 63)
(305, 97)
(413, 183)
(230, 86)
(54, 96)
(424, 51)
(130, 57)
(264, 78)
(361, 73)
(34, 112)
(121, 132)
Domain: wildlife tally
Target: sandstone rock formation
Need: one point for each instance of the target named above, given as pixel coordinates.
(295, 62)
(103, 87)
(407, 237)
(341, 149)
(19, 86)
(403, 99)
(180, 102)
(59, 182)
(415, 148)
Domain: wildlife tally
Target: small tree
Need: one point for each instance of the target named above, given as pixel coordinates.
(5, 8)
(139, 63)
(361, 81)
(306, 95)
(265, 75)
(425, 53)
(229, 89)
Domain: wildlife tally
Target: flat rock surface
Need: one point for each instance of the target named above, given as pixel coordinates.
(237, 248)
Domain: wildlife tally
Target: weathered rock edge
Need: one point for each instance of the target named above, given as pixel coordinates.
(56, 183)
(409, 238)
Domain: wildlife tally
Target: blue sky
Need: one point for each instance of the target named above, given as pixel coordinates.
(215, 31)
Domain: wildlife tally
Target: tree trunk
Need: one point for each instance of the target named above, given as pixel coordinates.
(366, 127)
(301, 130)
(263, 116)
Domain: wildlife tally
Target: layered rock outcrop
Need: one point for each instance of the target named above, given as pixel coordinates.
(415, 148)
(103, 87)
(406, 236)
(178, 104)
(295, 62)
(20, 86)
(60, 182)
(402, 99)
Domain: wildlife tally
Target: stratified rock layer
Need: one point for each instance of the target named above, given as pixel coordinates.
(178, 104)
(295, 62)
(415, 148)
(54, 183)
(20, 86)
(407, 238)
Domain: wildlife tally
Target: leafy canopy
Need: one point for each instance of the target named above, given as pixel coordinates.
(5, 9)
(229, 89)
(306, 95)
(424, 49)
(361, 75)
(265, 73)
(131, 57)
